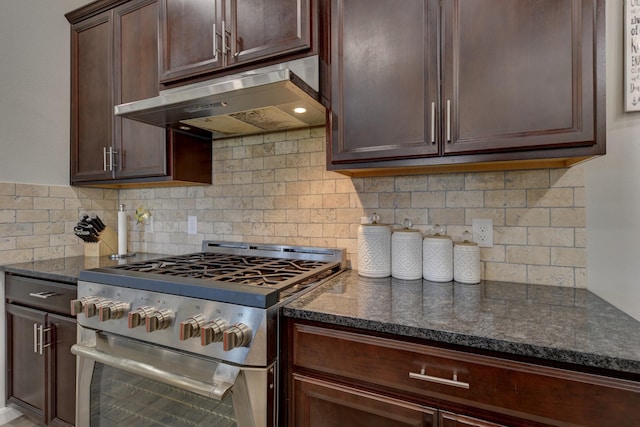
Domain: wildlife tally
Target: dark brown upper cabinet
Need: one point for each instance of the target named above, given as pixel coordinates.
(204, 36)
(465, 85)
(115, 60)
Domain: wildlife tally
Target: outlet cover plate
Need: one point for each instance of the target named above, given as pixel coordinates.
(483, 232)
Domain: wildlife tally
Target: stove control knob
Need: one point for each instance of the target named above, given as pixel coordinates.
(159, 319)
(92, 305)
(212, 332)
(138, 316)
(191, 327)
(112, 310)
(77, 305)
(238, 335)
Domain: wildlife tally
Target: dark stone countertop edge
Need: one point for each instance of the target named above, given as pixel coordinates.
(58, 277)
(474, 342)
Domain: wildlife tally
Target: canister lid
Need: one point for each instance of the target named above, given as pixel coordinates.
(374, 221)
(438, 233)
(466, 240)
(406, 227)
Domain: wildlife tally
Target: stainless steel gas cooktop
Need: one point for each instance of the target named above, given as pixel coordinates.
(258, 275)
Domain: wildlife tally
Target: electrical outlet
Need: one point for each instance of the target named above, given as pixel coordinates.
(483, 232)
(192, 225)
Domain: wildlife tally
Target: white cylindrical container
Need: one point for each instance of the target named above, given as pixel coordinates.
(374, 249)
(406, 253)
(466, 262)
(437, 258)
(122, 231)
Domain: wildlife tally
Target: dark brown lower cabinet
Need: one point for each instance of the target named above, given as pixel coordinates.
(325, 404)
(345, 377)
(40, 378)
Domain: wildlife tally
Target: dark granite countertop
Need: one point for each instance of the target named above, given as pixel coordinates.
(552, 323)
(68, 269)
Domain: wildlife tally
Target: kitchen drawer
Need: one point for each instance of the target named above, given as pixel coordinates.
(415, 372)
(50, 296)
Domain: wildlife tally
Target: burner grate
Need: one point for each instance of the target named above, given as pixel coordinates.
(240, 269)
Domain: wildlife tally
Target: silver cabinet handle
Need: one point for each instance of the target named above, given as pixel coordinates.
(448, 120)
(43, 294)
(224, 32)
(35, 337)
(215, 43)
(433, 122)
(452, 382)
(108, 153)
(38, 338)
(112, 156)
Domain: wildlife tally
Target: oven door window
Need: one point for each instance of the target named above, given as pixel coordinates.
(120, 398)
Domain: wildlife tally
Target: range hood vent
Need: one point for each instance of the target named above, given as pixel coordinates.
(274, 98)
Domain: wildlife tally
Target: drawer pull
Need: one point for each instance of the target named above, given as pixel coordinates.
(453, 382)
(42, 295)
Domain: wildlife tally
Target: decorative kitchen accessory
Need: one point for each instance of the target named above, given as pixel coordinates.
(466, 261)
(406, 252)
(374, 249)
(99, 239)
(122, 235)
(122, 231)
(437, 256)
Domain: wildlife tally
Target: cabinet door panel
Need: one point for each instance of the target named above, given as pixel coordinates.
(266, 27)
(384, 79)
(322, 404)
(63, 380)
(518, 74)
(91, 100)
(26, 377)
(187, 44)
(141, 147)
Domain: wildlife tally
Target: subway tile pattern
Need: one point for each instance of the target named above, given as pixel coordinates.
(275, 188)
(36, 221)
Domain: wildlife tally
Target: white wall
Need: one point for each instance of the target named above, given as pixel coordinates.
(34, 90)
(613, 188)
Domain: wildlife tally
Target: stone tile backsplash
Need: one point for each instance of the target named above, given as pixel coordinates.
(36, 221)
(274, 188)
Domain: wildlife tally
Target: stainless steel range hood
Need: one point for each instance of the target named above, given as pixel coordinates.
(278, 97)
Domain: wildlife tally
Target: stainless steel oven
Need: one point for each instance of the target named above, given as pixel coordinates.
(189, 340)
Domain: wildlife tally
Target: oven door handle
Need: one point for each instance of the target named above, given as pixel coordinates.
(217, 391)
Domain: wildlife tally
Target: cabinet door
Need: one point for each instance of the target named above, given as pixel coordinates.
(384, 79)
(141, 147)
(190, 37)
(264, 28)
(323, 404)
(518, 74)
(91, 98)
(26, 376)
(63, 372)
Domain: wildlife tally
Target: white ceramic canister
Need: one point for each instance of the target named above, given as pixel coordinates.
(466, 261)
(374, 249)
(437, 257)
(406, 253)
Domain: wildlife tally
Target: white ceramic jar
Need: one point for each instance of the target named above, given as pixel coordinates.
(406, 253)
(374, 249)
(437, 257)
(466, 262)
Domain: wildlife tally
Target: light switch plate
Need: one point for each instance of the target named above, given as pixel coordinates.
(192, 225)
